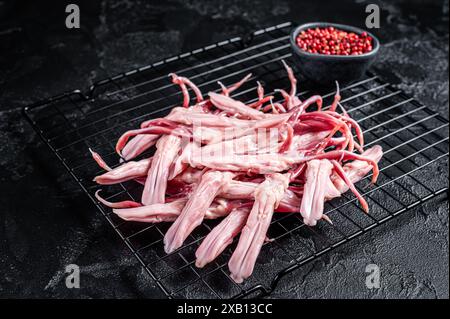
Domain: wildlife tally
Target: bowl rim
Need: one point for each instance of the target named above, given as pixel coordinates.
(345, 27)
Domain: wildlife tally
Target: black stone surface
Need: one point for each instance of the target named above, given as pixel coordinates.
(47, 223)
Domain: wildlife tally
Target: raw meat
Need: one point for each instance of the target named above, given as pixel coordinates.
(217, 157)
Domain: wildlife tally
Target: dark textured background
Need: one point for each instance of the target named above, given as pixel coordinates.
(47, 223)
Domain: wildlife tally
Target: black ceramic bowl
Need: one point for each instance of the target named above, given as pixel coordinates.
(326, 69)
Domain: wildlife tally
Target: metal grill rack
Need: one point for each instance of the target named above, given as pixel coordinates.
(413, 169)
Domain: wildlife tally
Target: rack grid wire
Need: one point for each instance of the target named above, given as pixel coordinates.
(414, 139)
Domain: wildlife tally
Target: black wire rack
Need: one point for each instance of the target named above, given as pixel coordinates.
(413, 169)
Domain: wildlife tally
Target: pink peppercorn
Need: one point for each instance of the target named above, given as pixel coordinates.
(332, 41)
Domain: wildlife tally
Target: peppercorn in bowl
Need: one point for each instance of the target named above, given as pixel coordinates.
(329, 52)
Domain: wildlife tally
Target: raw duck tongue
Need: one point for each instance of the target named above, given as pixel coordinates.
(221, 236)
(317, 176)
(194, 211)
(217, 157)
(268, 196)
(155, 187)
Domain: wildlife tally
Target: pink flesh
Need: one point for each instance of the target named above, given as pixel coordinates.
(337, 98)
(182, 160)
(267, 198)
(292, 79)
(289, 203)
(258, 143)
(272, 162)
(358, 169)
(124, 172)
(260, 163)
(297, 111)
(353, 124)
(182, 132)
(307, 141)
(122, 204)
(320, 186)
(258, 105)
(342, 174)
(275, 107)
(198, 118)
(176, 189)
(138, 145)
(167, 212)
(286, 96)
(222, 207)
(197, 92)
(159, 122)
(221, 236)
(138, 171)
(233, 107)
(246, 190)
(265, 161)
(187, 182)
(355, 171)
(260, 91)
(167, 149)
(208, 135)
(141, 143)
(226, 91)
(310, 126)
(177, 80)
(287, 143)
(97, 158)
(317, 174)
(189, 176)
(195, 208)
(345, 155)
(152, 213)
(330, 120)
